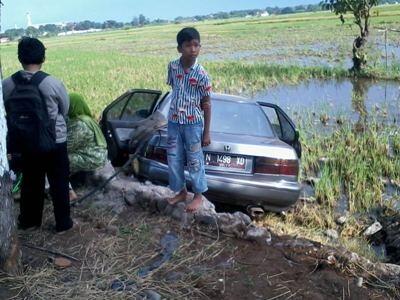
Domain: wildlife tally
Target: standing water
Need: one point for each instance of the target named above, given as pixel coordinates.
(348, 99)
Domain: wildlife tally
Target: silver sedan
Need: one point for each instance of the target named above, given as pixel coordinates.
(253, 160)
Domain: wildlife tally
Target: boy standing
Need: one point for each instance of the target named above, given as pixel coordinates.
(188, 130)
(38, 163)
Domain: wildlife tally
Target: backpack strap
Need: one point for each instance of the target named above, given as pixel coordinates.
(36, 78)
(18, 79)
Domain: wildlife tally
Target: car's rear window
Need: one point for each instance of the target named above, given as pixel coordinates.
(234, 118)
(239, 118)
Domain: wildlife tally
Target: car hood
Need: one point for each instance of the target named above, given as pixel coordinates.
(240, 145)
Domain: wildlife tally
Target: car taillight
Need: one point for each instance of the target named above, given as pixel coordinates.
(273, 166)
(156, 153)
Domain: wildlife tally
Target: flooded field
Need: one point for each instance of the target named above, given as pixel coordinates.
(339, 99)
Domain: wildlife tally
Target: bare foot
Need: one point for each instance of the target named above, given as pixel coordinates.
(178, 198)
(195, 204)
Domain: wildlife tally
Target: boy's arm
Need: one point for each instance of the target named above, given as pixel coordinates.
(206, 107)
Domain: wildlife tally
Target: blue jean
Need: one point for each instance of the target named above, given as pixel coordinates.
(184, 145)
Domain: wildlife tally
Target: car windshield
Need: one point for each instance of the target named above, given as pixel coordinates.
(239, 118)
(234, 118)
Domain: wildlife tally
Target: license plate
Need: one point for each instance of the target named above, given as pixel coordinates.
(225, 161)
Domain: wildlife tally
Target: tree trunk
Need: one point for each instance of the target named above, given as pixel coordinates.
(10, 254)
(359, 55)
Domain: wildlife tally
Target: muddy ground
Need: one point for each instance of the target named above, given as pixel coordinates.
(138, 255)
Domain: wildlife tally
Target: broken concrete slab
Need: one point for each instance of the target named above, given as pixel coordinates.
(260, 235)
(372, 229)
(128, 192)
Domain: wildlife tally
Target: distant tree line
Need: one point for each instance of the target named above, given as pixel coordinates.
(257, 12)
(252, 12)
(53, 29)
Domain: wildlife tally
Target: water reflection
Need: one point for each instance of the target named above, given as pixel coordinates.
(358, 96)
(355, 100)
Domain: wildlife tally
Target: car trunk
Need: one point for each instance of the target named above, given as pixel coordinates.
(237, 154)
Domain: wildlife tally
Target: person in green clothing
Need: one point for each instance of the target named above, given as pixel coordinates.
(86, 145)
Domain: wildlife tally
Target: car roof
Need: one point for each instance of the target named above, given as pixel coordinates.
(227, 97)
(233, 98)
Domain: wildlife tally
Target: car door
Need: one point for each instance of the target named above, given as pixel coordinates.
(119, 120)
(282, 125)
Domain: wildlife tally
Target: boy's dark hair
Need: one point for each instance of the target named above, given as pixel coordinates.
(31, 51)
(186, 35)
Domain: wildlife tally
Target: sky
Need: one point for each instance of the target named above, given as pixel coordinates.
(13, 13)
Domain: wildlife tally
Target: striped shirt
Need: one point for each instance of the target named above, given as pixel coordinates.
(188, 89)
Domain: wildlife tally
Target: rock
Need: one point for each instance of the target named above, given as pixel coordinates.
(207, 206)
(206, 218)
(388, 270)
(229, 223)
(62, 262)
(295, 243)
(331, 259)
(245, 218)
(129, 196)
(354, 257)
(178, 211)
(162, 204)
(169, 209)
(374, 228)
(152, 295)
(332, 234)
(341, 220)
(360, 281)
(259, 234)
(186, 220)
(102, 174)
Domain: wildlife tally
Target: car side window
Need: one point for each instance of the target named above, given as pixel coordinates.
(274, 120)
(138, 106)
(288, 132)
(115, 111)
(281, 125)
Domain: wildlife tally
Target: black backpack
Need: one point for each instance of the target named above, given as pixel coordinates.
(30, 129)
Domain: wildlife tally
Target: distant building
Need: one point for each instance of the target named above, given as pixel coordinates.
(30, 24)
(4, 39)
(28, 20)
(264, 14)
(78, 31)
